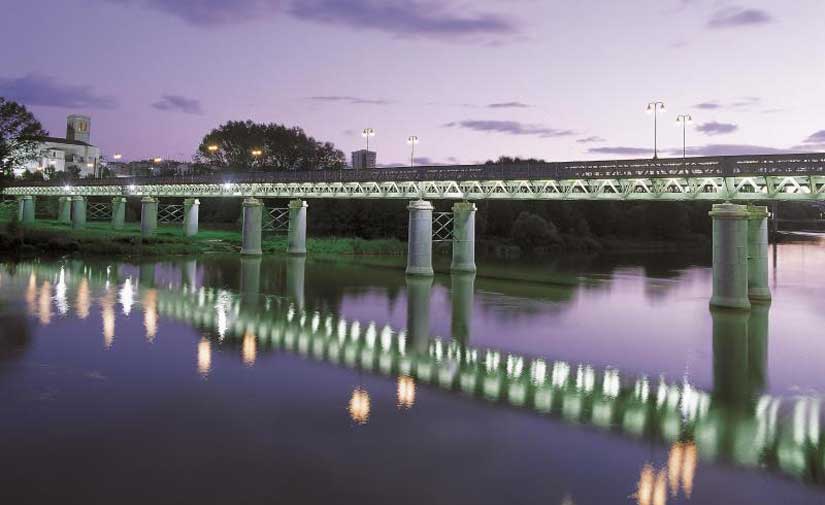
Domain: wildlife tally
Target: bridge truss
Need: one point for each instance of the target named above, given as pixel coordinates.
(276, 219)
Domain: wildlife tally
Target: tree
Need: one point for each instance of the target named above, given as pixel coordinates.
(279, 147)
(531, 230)
(20, 134)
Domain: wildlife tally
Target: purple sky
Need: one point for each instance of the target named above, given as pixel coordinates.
(474, 80)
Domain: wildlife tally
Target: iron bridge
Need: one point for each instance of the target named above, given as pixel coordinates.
(746, 178)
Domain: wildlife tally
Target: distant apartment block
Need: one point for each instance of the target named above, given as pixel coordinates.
(362, 159)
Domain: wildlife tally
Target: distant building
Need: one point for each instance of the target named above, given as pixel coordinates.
(362, 159)
(58, 154)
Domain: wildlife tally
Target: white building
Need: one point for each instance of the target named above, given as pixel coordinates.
(363, 159)
(59, 154)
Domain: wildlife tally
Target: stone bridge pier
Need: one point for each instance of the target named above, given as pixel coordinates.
(420, 238)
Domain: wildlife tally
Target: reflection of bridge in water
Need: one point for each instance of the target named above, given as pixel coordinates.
(735, 422)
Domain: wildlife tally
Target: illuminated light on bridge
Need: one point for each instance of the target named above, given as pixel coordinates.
(406, 391)
(359, 406)
(204, 357)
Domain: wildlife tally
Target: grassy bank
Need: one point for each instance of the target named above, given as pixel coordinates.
(51, 237)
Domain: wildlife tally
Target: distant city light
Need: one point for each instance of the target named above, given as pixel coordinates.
(257, 152)
(89, 165)
(212, 148)
(117, 156)
(157, 160)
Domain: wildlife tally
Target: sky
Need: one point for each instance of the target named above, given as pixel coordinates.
(474, 80)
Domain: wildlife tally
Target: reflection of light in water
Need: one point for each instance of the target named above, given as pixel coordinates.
(60, 293)
(644, 489)
(674, 467)
(83, 300)
(660, 489)
(204, 357)
(406, 391)
(45, 302)
(359, 406)
(31, 295)
(689, 468)
(107, 304)
(222, 306)
(127, 296)
(248, 348)
(150, 313)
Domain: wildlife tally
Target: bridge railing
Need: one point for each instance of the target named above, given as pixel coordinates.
(718, 166)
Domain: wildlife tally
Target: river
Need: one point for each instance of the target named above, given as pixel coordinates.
(321, 380)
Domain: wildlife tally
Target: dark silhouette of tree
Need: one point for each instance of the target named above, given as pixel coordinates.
(276, 147)
(20, 134)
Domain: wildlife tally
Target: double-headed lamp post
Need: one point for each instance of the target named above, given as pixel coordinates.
(412, 140)
(654, 108)
(367, 133)
(256, 153)
(684, 120)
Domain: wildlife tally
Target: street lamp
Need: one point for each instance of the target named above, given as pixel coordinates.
(212, 148)
(412, 140)
(117, 156)
(654, 108)
(684, 119)
(367, 133)
(256, 153)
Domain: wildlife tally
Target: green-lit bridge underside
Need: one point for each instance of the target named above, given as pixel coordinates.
(771, 177)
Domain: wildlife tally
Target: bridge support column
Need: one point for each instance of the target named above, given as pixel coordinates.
(730, 256)
(420, 238)
(118, 212)
(297, 234)
(190, 216)
(148, 216)
(25, 209)
(78, 212)
(464, 237)
(758, 289)
(64, 210)
(252, 217)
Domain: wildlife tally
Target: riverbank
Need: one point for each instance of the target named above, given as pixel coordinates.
(99, 239)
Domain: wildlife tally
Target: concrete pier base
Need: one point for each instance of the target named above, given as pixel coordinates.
(758, 289)
(64, 210)
(418, 312)
(252, 216)
(730, 256)
(78, 212)
(118, 212)
(420, 238)
(297, 235)
(464, 237)
(148, 216)
(25, 209)
(295, 275)
(463, 284)
(191, 207)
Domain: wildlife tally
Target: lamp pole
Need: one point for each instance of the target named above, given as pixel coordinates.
(655, 107)
(412, 140)
(684, 119)
(367, 133)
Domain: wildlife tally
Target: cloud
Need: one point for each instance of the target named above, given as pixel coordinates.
(591, 139)
(622, 151)
(402, 17)
(815, 138)
(349, 99)
(508, 105)
(207, 13)
(733, 17)
(177, 103)
(37, 89)
(715, 128)
(511, 127)
(708, 105)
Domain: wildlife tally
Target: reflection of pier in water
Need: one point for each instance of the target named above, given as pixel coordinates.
(734, 422)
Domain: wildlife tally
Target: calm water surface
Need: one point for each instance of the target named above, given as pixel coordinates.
(217, 380)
